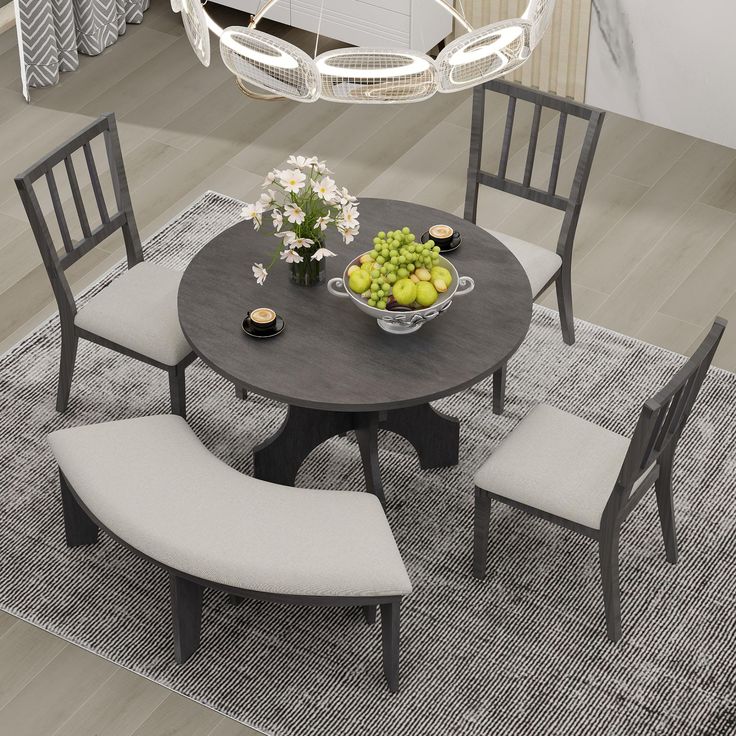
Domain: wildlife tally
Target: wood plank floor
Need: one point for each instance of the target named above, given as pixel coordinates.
(655, 258)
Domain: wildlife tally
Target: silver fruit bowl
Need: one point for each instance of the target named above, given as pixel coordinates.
(403, 322)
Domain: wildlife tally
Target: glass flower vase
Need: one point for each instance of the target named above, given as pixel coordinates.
(309, 272)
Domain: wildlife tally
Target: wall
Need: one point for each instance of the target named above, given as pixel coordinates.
(668, 63)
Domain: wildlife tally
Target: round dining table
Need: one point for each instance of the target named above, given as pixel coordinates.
(332, 365)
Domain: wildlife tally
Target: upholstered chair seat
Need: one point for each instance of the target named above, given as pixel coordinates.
(557, 463)
(138, 311)
(541, 264)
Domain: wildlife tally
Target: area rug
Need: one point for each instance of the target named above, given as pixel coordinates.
(523, 653)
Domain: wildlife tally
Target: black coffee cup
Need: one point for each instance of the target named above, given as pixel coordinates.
(443, 235)
(262, 319)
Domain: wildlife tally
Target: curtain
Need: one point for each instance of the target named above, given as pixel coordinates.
(559, 63)
(53, 32)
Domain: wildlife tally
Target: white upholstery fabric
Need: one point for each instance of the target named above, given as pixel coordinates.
(138, 310)
(152, 483)
(540, 264)
(556, 462)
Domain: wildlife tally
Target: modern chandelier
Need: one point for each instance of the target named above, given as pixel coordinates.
(278, 69)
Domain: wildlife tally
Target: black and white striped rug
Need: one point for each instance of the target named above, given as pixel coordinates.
(524, 652)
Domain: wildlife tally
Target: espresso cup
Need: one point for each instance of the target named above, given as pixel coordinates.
(443, 235)
(262, 319)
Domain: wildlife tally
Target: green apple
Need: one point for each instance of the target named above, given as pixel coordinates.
(359, 281)
(405, 291)
(439, 272)
(426, 293)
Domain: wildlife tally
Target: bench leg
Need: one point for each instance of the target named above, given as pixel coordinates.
(390, 637)
(186, 609)
(369, 614)
(78, 527)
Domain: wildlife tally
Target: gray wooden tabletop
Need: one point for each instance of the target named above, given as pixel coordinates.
(333, 356)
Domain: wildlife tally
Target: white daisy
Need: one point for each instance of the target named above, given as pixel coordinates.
(260, 273)
(301, 243)
(321, 167)
(301, 161)
(267, 199)
(322, 222)
(278, 219)
(294, 213)
(348, 233)
(292, 180)
(349, 216)
(325, 188)
(346, 197)
(253, 211)
(291, 256)
(271, 177)
(288, 236)
(321, 253)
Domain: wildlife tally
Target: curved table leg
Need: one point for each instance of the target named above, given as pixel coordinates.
(435, 436)
(279, 458)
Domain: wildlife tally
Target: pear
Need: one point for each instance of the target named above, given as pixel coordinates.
(439, 272)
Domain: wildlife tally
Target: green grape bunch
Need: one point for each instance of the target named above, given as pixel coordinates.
(398, 261)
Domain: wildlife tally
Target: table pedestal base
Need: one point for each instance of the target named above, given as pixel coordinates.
(434, 435)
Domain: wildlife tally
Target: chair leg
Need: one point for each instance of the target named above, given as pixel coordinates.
(177, 391)
(369, 614)
(481, 524)
(499, 389)
(69, 343)
(390, 640)
(665, 505)
(241, 391)
(608, 552)
(78, 527)
(186, 609)
(563, 284)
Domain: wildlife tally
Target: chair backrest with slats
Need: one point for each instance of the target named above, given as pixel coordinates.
(663, 417)
(564, 108)
(114, 215)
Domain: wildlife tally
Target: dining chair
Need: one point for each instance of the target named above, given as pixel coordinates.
(136, 314)
(543, 266)
(586, 478)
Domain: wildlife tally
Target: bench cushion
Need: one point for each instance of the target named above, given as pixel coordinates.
(153, 484)
(138, 310)
(559, 463)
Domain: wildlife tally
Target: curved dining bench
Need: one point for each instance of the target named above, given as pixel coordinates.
(152, 485)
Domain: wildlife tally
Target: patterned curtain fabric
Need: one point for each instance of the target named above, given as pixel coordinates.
(53, 32)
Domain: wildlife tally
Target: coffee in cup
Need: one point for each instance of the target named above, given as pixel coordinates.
(262, 319)
(442, 235)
